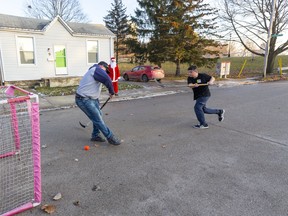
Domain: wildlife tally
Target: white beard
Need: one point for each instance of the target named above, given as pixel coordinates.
(113, 64)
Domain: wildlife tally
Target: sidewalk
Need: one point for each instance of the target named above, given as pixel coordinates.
(150, 89)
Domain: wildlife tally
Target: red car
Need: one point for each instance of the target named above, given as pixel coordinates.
(144, 73)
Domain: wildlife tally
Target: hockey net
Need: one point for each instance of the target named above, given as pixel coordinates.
(20, 169)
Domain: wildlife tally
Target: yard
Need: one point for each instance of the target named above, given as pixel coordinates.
(254, 67)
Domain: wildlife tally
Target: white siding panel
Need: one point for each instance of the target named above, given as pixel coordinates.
(12, 70)
(104, 50)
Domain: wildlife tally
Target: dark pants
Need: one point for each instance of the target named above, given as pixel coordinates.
(201, 109)
(91, 108)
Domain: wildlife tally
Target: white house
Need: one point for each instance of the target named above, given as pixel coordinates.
(34, 49)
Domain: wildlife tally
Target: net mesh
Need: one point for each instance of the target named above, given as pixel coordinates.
(16, 153)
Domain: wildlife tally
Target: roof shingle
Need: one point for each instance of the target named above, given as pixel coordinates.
(38, 25)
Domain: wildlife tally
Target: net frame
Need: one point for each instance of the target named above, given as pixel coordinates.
(20, 156)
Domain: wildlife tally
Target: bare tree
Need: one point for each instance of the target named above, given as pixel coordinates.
(249, 20)
(68, 10)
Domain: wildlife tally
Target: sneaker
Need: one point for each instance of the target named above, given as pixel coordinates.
(201, 126)
(98, 139)
(114, 140)
(221, 115)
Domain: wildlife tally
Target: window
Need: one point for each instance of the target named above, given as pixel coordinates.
(26, 50)
(92, 50)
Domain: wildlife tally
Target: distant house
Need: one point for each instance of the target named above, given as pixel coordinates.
(35, 49)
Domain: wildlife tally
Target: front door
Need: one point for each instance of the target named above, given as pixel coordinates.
(60, 60)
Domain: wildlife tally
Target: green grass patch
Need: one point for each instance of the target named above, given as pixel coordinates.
(253, 67)
(70, 90)
(56, 91)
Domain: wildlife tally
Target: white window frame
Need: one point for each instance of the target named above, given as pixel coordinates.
(18, 49)
(97, 51)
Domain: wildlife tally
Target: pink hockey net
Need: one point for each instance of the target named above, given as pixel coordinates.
(20, 168)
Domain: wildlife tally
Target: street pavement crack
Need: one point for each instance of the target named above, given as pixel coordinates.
(255, 135)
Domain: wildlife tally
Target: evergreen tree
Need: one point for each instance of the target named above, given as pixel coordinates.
(117, 22)
(177, 30)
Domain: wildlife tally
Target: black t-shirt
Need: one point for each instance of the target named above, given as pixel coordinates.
(201, 91)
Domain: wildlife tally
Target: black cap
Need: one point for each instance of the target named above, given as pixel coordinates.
(104, 64)
(192, 67)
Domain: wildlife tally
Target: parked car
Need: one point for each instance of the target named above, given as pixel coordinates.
(144, 73)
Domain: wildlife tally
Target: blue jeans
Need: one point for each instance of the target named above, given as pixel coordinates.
(91, 108)
(200, 109)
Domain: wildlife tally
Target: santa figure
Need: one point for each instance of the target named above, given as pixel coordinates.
(114, 74)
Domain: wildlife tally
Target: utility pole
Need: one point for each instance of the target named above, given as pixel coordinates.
(229, 47)
(272, 18)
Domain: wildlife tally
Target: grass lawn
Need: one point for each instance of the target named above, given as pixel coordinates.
(253, 67)
(70, 90)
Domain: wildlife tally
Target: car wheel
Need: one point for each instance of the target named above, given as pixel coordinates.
(126, 78)
(145, 78)
(158, 80)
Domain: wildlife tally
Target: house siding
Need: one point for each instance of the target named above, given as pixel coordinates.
(56, 34)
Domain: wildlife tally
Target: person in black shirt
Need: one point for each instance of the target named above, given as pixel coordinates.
(199, 83)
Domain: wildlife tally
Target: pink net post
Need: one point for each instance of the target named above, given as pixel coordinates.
(36, 151)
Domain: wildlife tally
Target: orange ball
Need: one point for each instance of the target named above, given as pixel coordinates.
(86, 148)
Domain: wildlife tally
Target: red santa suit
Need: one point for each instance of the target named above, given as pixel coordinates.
(114, 74)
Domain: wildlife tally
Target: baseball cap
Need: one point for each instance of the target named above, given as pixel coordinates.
(104, 64)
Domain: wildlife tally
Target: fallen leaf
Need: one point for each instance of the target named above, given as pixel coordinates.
(58, 196)
(48, 208)
(96, 188)
(76, 203)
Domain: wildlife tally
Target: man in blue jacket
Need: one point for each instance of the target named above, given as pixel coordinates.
(87, 99)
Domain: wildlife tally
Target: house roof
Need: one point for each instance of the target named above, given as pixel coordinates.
(16, 23)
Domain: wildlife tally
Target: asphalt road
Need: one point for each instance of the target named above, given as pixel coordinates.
(165, 167)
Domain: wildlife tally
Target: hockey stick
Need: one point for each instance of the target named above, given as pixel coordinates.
(87, 124)
(191, 85)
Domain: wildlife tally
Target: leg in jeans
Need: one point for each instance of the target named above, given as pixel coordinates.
(199, 109)
(211, 110)
(91, 108)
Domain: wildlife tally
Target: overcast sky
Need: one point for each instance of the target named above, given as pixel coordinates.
(94, 9)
